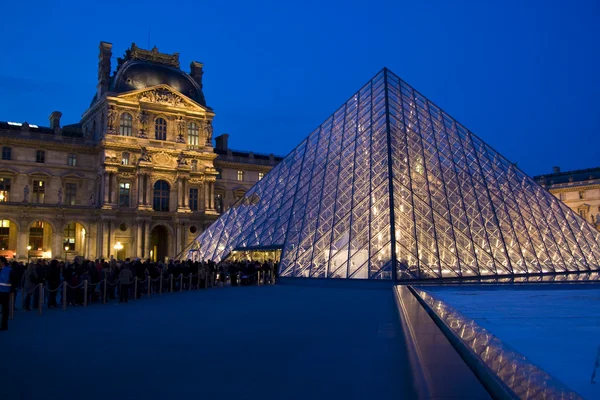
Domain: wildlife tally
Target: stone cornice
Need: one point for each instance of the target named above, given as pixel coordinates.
(573, 188)
(244, 166)
(49, 144)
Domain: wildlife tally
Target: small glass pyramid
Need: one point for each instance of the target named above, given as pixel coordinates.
(392, 187)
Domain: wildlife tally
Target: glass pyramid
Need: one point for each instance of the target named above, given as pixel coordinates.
(392, 187)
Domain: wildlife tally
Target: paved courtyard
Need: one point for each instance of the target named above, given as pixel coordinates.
(269, 342)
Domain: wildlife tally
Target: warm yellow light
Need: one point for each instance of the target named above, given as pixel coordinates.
(118, 246)
(28, 248)
(66, 248)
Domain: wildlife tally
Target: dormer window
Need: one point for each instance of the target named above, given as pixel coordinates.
(160, 129)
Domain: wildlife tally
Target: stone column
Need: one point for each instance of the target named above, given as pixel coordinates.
(185, 194)
(201, 197)
(57, 247)
(22, 252)
(149, 192)
(90, 237)
(138, 239)
(105, 187)
(139, 190)
(179, 194)
(114, 189)
(100, 239)
(147, 239)
(177, 239)
(206, 196)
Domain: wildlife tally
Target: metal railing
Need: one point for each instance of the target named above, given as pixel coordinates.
(106, 288)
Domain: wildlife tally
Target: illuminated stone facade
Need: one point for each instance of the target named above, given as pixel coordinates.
(138, 169)
(579, 190)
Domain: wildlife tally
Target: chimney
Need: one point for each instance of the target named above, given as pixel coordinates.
(196, 72)
(104, 67)
(221, 142)
(55, 120)
(555, 170)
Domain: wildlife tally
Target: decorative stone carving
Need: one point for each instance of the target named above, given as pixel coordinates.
(60, 196)
(145, 156)
(163, 159)
(181, 159)
(110, 119)
(163, 177)
(143, 118)
(181, 129)
(162, 96)
(26, 194)
(208, 130)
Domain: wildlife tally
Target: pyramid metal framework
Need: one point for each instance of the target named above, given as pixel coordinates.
(392, 187)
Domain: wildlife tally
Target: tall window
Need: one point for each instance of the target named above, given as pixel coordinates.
(160, 129)
(219, 202)
(39, 188)
(193, 135)
(69, 236)
(40, 156)
(161, 196)
(261, 175)
(4, 233)
(72, 160)
(126, 124)
(70, 193)
(6, 153)
(581, 195)
(125, 158)
(124, 188)
(194, 165)
(240, 175)
(4, 190)
(194, 199)
(36, 235)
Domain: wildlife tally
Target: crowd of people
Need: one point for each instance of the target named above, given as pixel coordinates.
(131, 278)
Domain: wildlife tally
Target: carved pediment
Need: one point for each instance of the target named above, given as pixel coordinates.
(163, 95)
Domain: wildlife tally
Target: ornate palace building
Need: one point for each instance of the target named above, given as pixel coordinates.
(579, 190)
(135, 178)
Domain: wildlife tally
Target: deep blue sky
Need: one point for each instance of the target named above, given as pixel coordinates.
(523, 75)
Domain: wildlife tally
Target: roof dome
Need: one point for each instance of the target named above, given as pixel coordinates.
(138, 74)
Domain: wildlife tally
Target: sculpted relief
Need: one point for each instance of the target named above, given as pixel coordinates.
(162, 96)
(164, 160)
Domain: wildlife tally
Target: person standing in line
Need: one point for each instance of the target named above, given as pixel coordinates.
(6, 285)
(125, 277)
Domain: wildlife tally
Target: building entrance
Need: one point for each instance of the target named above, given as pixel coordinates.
(260, 255)
(159, 244)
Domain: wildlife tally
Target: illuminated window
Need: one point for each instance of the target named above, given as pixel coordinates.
(36, 235)
(4, 233)
(70, 194)
(72, 160)
(160, 129)
(193, 134)
(39, 188)
(69, 236)
(161, 196)
(194, 165)
(125, 158)
(583, 213)
(126, 124)
(240, 175)
(581, 195)
(40, 156)
(4, 190)
(124, 189)
(261, 175)
(6, 153)
(194, 199)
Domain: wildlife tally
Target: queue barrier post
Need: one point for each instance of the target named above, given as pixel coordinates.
(64, 296)
(11, 306)
(171, 278)
(104, 291)
(180, 282)
(40, 297)
(85, 293)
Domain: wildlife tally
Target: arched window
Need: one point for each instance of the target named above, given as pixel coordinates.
(126, 125)
(160, 129)
(161, 196)
(193, 134)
